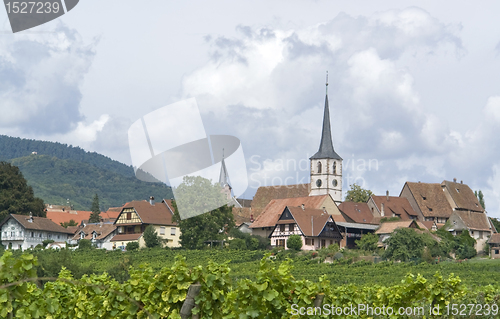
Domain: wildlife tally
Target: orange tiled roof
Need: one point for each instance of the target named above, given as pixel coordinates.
(397, 205)
(273, 210)
(430, 199)
(358, 212)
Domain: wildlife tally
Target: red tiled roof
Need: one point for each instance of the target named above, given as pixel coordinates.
(101, 230)
(358, 212)
(389, 227)
(309, 220)
(430, 199)
(157, 214)
(242, 215)
(494, 239)
(58, 216)
(395, 205)
(475, 220)
(265, 194)
(462, 196)
(126, 237)
(38, 223)
(273, 210)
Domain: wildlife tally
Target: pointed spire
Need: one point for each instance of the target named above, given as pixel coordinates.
(224, 176)
(326, 145)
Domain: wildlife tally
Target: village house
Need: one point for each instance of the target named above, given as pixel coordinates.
(391, 206)
(477, 224)
(357, 212)
(24, 232)
(428, 200)
(265, 223)
(315, 226)
(137, 215)
(494, 243)
(100, 234)
(387, 228)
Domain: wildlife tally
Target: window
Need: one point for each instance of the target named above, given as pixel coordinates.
(323, 243)
(32, 234)
(12, 233)
(496, 251)
(331, 241)
(291, 227)
(162, 230)
(129, 215)
(319, 167)
(281, 243)
(82, 235)
(58, 236)
(50, 235)
(282, 227)
(308, 241)
(312, 241)
(172, 231)
(40, 235)
(334, 167)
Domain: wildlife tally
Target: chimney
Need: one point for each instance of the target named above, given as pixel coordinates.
(101, 223)
(152, 200)
(382, 213)
(251, 218)
(461, 182)
(454, 180)
(30, 220)
(387, 195)
(303, 207)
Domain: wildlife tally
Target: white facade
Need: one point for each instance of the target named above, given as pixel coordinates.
(15, 236)
(326, 178)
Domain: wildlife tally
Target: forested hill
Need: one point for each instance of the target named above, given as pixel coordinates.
(59, 172)
(14, 147)
(56, 180)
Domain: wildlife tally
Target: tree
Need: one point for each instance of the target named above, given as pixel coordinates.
(195, 192)
(16, 196)
(70, 223)
(357, 194)
(132, 245)
(294, 242)
(367, 242)
(404, 244)
(95, 216)
(151, 237)
(480, 198)
(496, 223)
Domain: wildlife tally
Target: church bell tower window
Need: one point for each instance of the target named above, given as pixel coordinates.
(319, 167)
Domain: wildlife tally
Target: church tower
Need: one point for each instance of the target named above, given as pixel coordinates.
(326, 165)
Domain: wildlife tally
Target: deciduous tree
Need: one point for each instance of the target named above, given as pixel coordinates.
(213, 225)
(16, 196)
(357, 194)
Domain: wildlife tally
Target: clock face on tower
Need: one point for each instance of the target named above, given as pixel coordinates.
(334, 182)
(318, 183)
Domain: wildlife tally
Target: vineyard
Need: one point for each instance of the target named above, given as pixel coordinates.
(273, 289)
(245, 264)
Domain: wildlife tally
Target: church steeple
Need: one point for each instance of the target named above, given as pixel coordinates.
(224, 176)
(326, 164)
(326, 146)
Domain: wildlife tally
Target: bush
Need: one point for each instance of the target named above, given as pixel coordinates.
(404, 244)
(46, 242)
(338, 256)
(294, 242)
(133, 245)
(367, 242)
(253, 242)
(238, 244)
(84, 244)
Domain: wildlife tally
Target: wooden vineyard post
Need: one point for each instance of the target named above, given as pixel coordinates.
(189, 303)
(318, 301)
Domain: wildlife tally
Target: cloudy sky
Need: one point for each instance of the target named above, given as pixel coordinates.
(414, 85)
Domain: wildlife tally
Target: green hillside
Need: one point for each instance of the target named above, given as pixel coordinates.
(55, 180)
(15, 147)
